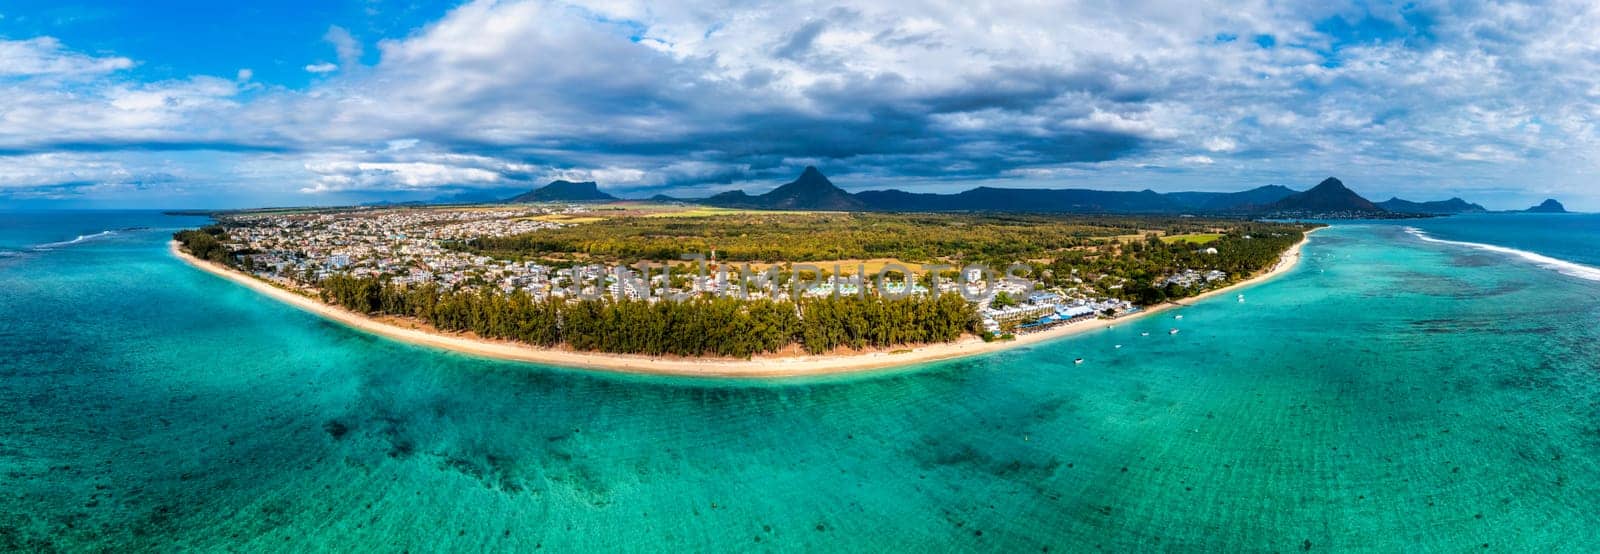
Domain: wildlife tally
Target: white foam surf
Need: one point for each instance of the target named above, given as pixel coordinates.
(80, 239)
(1561, 266)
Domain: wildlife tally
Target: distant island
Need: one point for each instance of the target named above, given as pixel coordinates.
(854, 290)
(1549, 206)
(812, 190)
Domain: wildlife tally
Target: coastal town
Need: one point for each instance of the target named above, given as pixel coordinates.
(417, 246)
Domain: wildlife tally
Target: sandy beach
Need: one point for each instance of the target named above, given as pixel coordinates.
(756, 367)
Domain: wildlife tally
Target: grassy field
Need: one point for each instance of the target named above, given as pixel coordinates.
(1195, 238)
(709, 211)
(568, 219)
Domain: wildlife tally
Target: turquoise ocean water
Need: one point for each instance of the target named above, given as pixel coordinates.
(1391, 394)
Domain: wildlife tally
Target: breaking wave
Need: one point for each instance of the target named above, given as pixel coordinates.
(79, 240)
(1561, 266)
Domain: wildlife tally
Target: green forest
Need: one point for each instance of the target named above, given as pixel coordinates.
(706, 326)
(206, 243)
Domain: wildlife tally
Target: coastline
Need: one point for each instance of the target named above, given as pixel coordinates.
(755, 367)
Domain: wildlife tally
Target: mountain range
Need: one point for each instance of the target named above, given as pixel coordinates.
(1442, 207)
(813, 191)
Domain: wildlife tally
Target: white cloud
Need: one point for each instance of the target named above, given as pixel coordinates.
(345, 46)
(34, 170)
(1220, 144)
(35, 114)
(347, 175)
(407, 164)
(609, 175)
(323, 67)
(45, 57)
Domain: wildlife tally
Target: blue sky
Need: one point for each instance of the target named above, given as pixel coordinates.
(205, 104)
(176, 39)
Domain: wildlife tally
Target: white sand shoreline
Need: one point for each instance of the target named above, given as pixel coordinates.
(756, 367)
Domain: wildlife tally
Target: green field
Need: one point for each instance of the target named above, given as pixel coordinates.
(1194, 238)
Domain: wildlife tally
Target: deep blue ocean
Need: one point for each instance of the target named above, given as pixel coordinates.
(1569, 237)
(1392, 393)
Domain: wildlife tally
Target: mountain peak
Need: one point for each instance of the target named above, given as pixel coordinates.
(1331, 183)
(1549, 206)
(1328, 197)
(811, 178)
(811, 191)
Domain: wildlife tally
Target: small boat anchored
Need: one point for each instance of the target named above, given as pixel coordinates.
(1172, 332)
(1144, 334)
(1077, 361)
(1119, 346)
(1179, 316)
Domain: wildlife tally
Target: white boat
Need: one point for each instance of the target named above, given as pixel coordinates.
(1241, 298)
(1180, 316)
(1119, 346)
(1078, 361)
(1144, 334)
(1172, 332)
